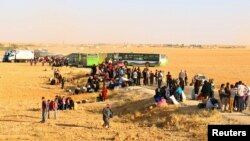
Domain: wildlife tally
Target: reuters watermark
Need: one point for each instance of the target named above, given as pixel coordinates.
(216, 132)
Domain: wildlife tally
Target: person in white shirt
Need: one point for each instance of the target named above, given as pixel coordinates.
(160, 76)
(241, 89)
(135, 76)
(182, 75)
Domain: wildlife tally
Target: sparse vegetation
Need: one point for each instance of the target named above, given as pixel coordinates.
(136, 117)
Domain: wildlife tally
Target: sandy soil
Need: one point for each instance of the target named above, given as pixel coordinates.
(22, 86)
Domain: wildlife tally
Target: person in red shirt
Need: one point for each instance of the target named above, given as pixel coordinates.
(104, 92)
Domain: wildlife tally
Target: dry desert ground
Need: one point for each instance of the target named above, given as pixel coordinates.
(22, 86)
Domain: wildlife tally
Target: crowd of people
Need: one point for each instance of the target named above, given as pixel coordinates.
(59, 103)
(234, 97)
(110, 75)
(55, 61)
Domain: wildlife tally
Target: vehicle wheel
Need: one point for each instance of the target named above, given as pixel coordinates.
(147, 64)
(126, 63)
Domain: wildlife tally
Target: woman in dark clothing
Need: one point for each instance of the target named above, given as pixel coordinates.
(197, 85)
(206, 90)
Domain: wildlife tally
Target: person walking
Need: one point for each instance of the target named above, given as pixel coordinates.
(44, 109)
(107, 114)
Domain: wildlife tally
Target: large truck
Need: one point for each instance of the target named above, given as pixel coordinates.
(20, 56)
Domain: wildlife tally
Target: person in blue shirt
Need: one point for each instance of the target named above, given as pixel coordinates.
(179, 93)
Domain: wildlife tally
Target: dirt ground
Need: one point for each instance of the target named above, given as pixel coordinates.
(22, 86)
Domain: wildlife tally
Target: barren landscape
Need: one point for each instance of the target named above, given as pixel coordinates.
(22, 86)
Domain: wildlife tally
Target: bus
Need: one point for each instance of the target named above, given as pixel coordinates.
(85, 59)
(128, 59)
(140, 59)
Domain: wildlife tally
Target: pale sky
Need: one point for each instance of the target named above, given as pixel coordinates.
(126, 21)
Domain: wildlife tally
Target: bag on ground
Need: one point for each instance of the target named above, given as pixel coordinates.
(174, 100)
(183, 96)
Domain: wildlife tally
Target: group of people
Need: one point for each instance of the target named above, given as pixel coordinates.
(171, 93)
(59, 103)
(120, 75)
(234, 96)
(116, 75)
(52, 60)
(57, 79)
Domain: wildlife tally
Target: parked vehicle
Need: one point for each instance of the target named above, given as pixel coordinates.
(20, 56)
(200, 77)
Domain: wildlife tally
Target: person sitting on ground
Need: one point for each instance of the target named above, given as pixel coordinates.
(111, 84)
(157, 95)
(167, 94)
(212, 103)
(77, 90)
(97, 85)
(162, 102)
(83, 89)
(52, 81)
(91, 88)
(179, 93)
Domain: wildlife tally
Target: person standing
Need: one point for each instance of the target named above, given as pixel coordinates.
(211, 81)
(160, 76)
(147, 77)
(168, 76)
(206, 90)
(156, 76)
(197, 85)
(144, 74)
(104, 92)
(139, 76)
(241, 89)
(182, 75)
(231, 99)
(135, 77)
(151, 78)
(55, 108)
(227, 96)
(47, 108)
(107, 114)
(44, 109)
(186, 78)
(182, 84)
(63, 103)
(63, 80)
